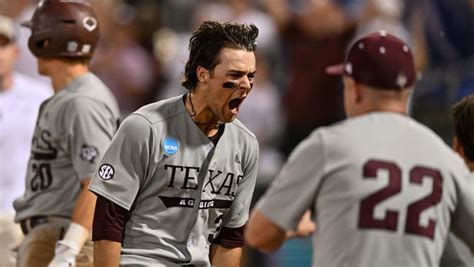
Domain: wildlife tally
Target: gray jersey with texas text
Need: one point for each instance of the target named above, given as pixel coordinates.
(179, 187)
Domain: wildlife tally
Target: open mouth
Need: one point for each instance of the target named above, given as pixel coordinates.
(234, 105)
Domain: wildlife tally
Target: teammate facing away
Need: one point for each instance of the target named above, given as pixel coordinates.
(175, 186)
(73, 129)
(456, 252)
(384, 189)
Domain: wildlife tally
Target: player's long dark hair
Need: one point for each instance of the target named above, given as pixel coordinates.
(463, 117)
(206, 43)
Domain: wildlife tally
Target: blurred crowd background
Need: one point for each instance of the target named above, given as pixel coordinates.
(143, 50)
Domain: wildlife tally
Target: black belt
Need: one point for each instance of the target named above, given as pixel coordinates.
(28, 224)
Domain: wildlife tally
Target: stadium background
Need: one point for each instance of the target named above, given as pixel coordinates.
(143, 50)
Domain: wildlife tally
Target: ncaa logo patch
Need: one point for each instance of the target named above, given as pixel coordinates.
(170, 146)
(106, 172)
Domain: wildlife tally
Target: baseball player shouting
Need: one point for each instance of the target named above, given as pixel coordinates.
(73, 129)
(384, 190)
(175, 186)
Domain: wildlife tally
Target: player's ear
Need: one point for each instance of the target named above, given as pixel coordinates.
(358, 93)
(353, 90)
(202, 74)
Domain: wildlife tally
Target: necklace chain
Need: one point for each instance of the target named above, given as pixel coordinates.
(193, 114)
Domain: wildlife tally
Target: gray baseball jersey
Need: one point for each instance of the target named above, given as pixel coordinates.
(179, 186)
(73, 130)
(382, 188)
(456, 253)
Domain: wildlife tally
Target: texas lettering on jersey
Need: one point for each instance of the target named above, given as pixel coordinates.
(42, 147)
(218, 183)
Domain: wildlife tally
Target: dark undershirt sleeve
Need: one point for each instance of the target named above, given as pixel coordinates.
(230, 237)
(109, 220)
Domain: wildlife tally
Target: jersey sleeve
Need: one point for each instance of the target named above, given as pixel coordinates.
(463, 216)
(90, 127)
(109, 221)
(239, 210)
(294, 189)
(125, 164)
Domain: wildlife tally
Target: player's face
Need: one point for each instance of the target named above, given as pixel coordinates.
(230, 83)
(41, 66)
(44, 66)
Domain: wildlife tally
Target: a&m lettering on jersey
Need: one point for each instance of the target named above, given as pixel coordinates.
(42, 145)
(189, 203)
(43, 152)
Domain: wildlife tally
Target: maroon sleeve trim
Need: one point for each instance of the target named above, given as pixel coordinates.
(109, 220)
(230, 237)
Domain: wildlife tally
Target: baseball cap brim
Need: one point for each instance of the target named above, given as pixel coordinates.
(27, 24)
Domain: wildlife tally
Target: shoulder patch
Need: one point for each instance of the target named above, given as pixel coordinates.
(106, 172)
(89, 153)
(170, 146)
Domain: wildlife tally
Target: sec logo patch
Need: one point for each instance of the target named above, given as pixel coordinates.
(106, 172)
(170, 146)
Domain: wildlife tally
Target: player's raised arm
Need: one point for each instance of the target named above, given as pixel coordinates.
(266, 236)
(263, 234)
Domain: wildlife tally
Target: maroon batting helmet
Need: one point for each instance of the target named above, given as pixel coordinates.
(380, 60)
(63, 29)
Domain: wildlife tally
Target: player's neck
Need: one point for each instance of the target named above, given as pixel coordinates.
(201, 116)
(387, 106)
(65, 73)
(470, 165)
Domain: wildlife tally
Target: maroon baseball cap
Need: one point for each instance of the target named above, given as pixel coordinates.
(378, 60)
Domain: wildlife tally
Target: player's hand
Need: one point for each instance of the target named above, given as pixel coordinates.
(305, 227)
(64, 255)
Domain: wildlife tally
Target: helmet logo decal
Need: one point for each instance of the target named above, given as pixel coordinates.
(86, 48)
(72, 46)
(90, 23)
